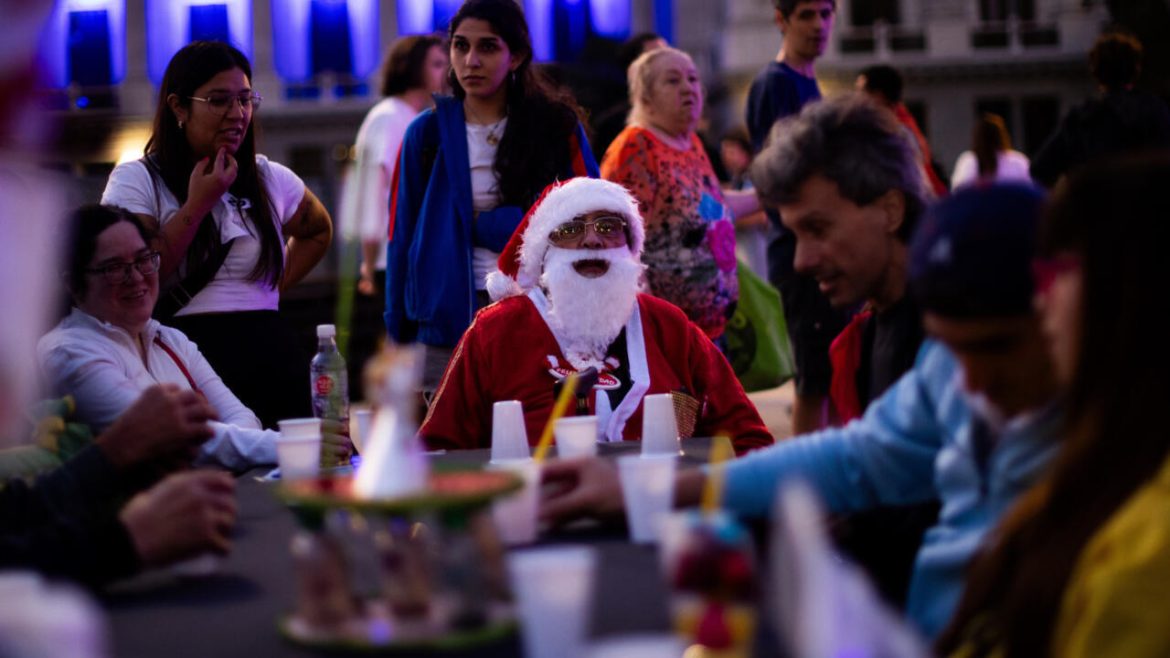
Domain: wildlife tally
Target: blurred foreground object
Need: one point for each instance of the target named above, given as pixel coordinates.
(43, 620)
(825, 606)
(29, 252)
(393, 463)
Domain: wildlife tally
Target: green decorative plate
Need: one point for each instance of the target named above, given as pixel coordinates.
(449, 490)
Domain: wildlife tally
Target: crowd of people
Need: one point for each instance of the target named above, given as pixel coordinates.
(976, 365)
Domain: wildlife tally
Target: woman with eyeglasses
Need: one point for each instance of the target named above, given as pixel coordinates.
(234, 228)
(109, 350)
(468, 171)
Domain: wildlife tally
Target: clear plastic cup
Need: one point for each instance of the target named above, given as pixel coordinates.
(648, 491)
(554, 593)
(515, 516)
(362, 419)
(298, 448)
(299, 428)
(509, 436)
(576, 437)
(659, 427)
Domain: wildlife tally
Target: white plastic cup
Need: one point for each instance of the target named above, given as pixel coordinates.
(509, 436)
(299, 428)
(515, 515)
(298, 448)
(659, 427)
(648, 491)
(362, 418)
(576, 436)
(554, 596)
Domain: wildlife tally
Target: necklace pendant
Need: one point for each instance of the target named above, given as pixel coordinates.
(492, 140)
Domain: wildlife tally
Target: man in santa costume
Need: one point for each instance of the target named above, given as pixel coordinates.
(568, 301)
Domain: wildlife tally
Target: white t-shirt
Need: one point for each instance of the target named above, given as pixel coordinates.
(485, 190)
(131, 186)
(1010, 166)
(366, 202)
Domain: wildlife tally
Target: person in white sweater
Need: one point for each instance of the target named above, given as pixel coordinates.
(415, 68)
(991, 158)
(108, 350)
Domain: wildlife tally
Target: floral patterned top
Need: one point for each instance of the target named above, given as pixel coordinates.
(690, 240)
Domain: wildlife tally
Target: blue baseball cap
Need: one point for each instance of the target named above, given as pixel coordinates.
(971, 256)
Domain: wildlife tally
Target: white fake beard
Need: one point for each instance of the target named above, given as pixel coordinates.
(586, 315)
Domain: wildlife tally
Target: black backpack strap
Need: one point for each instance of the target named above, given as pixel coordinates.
(175, 297)
(180, 294)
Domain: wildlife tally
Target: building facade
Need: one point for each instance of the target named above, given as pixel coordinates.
(1022, 59)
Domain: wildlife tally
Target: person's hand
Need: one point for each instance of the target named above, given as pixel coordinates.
(365, 283)
(184, 515)
(210, 179)
(580, 487)
(336, 447)
(165, 423)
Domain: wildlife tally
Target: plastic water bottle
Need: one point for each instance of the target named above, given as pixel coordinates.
(328, 379)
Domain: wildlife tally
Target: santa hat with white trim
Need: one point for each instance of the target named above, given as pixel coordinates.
(522, 261)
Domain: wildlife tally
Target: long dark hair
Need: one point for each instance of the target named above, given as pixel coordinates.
(541, 120)
(989, 137)
(172, 159)
(1114, 217)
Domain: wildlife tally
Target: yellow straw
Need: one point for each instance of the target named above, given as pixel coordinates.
(567, 390)
(713, 487)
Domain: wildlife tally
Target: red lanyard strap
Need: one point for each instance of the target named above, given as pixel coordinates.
(178, 362)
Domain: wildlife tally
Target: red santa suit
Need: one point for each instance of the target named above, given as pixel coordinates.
(510, 353)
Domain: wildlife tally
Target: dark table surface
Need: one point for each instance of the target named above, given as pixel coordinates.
(234, 612)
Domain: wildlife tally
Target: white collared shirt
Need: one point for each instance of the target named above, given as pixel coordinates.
(101, 366)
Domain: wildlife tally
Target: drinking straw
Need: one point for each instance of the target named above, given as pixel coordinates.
(562, 404)
(713, 486)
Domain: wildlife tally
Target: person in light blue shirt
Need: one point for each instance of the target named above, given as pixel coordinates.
(973, 423)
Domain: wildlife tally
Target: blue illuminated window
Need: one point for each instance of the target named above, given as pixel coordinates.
(560, 28)
(313, 37)
(172, 24)
(84, 43)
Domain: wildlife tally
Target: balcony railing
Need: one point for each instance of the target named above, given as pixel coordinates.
(896, 38)
(1001, 34)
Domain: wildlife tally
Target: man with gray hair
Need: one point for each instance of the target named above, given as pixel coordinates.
(973, 423)
(848, 186)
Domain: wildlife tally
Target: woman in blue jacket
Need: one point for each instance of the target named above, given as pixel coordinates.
(468, 171)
